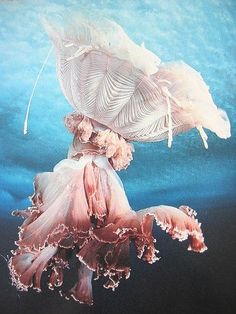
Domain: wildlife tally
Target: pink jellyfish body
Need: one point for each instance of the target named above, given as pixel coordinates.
(121, 93)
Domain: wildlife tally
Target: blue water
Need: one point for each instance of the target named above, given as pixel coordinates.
(202, 33)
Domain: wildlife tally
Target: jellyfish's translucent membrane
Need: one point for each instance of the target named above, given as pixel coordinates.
(81, 207)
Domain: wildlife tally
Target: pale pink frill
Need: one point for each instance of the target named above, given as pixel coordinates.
(114, 146)
(81, 208)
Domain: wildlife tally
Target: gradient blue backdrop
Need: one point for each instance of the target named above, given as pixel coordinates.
(202, 33)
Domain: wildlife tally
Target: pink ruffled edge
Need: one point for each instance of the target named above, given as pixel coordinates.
(102, 247)
(113, 145)
(106, 251)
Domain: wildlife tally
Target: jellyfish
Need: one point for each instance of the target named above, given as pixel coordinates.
(121, 93)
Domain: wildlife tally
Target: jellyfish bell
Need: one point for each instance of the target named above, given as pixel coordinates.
(224, 124)
(107, 77)
(149, 60)
(218, 123)
(190, 93)
(74, 30)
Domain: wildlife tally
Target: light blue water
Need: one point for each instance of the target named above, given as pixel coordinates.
(202, 33)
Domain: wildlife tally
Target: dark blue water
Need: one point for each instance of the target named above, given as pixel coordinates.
(202, 33)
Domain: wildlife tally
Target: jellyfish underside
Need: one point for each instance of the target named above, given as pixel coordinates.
(81, 208)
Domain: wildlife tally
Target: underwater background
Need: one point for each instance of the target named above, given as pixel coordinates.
(201, 33)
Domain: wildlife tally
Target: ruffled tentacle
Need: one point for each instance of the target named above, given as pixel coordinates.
(96, 188)
(69, 205)
(58, 264)
(63, 213)
(179, 223)
(82, 290)
(107, 259)
(26, 267)
(30, 214)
